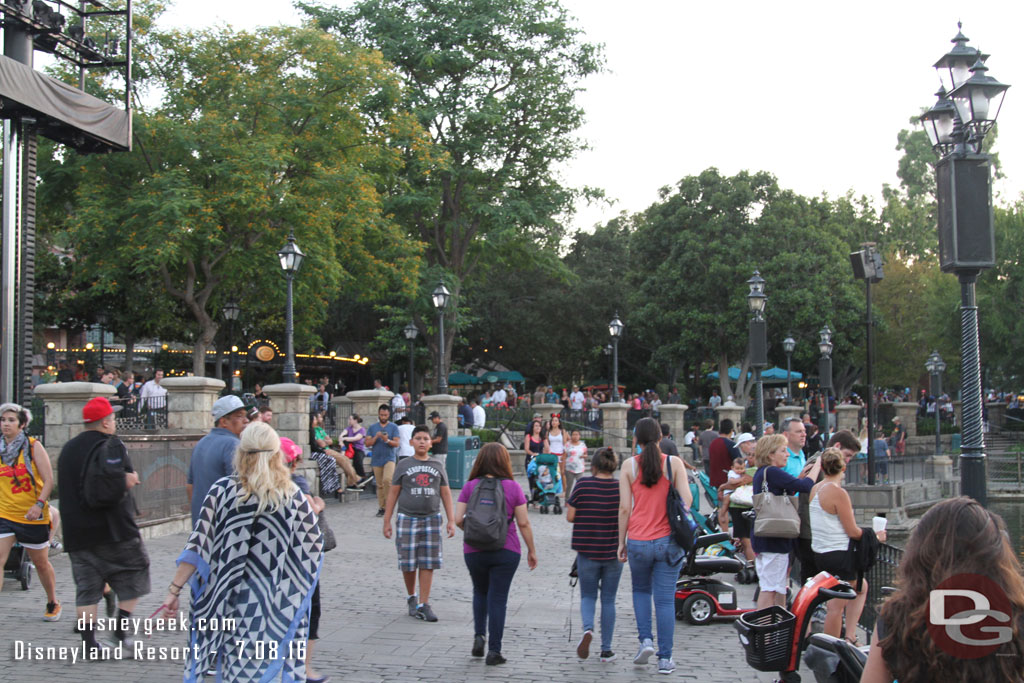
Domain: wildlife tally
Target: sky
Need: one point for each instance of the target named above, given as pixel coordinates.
(813, 92)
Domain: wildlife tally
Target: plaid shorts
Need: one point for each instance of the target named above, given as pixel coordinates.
(418, 540)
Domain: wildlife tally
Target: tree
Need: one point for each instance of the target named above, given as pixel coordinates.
(494, 83)
(258, 134)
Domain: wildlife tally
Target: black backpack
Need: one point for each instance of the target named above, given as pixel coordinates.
(102, 482)
(485, 526)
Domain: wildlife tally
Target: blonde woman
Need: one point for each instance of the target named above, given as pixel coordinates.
(256, 533)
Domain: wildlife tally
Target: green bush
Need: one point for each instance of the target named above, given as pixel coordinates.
(486, 435)
(926, 427)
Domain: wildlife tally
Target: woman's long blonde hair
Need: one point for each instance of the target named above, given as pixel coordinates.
(261, 469)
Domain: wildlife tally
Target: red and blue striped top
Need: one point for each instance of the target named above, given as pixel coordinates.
(595, 531)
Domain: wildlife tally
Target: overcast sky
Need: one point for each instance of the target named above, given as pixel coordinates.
(814, 92)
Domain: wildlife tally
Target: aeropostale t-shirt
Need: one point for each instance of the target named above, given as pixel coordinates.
(420, 483)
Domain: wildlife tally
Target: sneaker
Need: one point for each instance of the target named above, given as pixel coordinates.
(354, 487)
(380, 512)
(413, 603)
(365, 480)
(608, 656)
(425, 613)
(111, 604)
(666, 666)
(126, 642)
(583, 649)
(478, 646)
(56, 545)
(645, 652)
(494, 658)
(53, 610)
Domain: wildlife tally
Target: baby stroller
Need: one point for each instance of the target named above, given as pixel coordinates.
(19, 567)
(547, 482)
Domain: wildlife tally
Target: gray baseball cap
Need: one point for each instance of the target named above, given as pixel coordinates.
(226, 405)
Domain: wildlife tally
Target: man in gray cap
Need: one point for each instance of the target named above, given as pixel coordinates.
(212, 457)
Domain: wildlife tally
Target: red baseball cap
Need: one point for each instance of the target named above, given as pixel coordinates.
(97, 409)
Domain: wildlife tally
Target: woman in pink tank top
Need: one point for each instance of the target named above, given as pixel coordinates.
(654, 557)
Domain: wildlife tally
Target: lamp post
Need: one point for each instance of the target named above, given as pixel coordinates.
(935, 367)
(825, 383)
(230, 311)
(607, 351)
(788, 345)
(410, 333)
(615, 328)
(291, 260)
(440, 297)
(757, 348)
(966, 109)
(867, 266)
(101, 320)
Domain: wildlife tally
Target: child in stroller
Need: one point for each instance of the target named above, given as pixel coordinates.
(546, 481)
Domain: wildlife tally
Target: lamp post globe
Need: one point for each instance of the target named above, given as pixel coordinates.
(291, 260)
(935, 367)
(789, 345)
(410, 331)
(825, 348)
(615, 328)
(757, 344)
(440, 297)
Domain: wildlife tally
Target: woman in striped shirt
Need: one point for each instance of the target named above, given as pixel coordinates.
(593, 509)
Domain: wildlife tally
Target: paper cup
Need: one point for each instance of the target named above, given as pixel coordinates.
(878, 524)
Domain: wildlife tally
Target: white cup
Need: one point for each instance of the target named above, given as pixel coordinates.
(878, 524)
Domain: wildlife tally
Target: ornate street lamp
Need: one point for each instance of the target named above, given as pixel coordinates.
(440, 297)
(788, 345)
(230, 311)
(757, 348)
(935, 367)
(825, 381)
(291, 260)
(966, 234)
(615, 328)
(410, 333)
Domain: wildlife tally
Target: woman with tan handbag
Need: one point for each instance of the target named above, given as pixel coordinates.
(771, 553)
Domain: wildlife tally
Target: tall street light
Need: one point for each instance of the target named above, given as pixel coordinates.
(230, 311)
(607, 351)
(410, 333)
(867, 266)
(757, 348)
(788, 345)
(615, 328)
(291, 260)
(440, 297)
(968, 104)
(825, 383)
(935, 367)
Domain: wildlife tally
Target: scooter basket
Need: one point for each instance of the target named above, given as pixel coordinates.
(767, 637)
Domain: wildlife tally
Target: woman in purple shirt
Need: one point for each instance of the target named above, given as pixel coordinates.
(492, 571)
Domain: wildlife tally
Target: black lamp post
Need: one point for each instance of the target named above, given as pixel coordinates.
(935, 367)
(291, 260)
(757, 348)
(410, 333)
(615, 328)
(101, 320)
(230, 311)
(607, 351)
(825, 380)
(788, 345)
(967, 107)
(867, 266)
(440, 297)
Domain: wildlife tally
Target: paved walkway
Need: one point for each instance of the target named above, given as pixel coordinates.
(366, 635)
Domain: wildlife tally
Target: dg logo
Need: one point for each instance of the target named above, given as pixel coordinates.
(968, 616)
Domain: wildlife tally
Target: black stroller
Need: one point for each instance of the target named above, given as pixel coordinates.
(19, 567)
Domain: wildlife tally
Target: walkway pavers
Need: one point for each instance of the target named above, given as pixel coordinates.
(366, 635)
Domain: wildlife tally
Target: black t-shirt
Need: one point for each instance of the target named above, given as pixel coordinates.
(84, 527)
(440, 430)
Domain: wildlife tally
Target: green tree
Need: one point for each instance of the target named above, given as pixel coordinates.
(257, 134)
(494, 82)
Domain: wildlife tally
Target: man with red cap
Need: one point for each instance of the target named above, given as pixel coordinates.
(104, 544)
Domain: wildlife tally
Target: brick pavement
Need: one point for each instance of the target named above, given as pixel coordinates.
(366, 635)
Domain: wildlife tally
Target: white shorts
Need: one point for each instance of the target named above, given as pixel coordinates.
(772, 571)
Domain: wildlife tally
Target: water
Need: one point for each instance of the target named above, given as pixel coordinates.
(1012, 511)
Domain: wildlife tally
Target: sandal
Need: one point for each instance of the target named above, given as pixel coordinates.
(852, 641)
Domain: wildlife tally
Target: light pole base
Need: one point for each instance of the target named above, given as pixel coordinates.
(974, 477)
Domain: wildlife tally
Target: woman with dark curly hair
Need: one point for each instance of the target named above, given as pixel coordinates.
(956, 537)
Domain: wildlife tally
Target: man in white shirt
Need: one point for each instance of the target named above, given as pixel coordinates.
(576, 398)
(405, 428)
(498, 397)
(398, 410)
(152, 394)
(479, 414)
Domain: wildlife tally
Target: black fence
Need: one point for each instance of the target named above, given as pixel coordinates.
(892, 470)
(37, 427)
(142, 415)
(882, 574)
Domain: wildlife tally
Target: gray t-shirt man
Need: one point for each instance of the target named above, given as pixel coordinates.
(704, 439)
(419, 483)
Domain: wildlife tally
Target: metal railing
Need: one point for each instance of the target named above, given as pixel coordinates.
(143, 415)
(883, 573)
(892, 470)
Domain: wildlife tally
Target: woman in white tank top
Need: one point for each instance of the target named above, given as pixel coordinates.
(833, 525)
(554, 443)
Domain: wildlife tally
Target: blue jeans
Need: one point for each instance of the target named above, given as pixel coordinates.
(600, 575)
(492, 574)
(654, 566)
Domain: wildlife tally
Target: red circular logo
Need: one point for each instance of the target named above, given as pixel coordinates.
(969, 616)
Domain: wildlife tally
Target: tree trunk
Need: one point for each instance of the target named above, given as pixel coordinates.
(204, 342)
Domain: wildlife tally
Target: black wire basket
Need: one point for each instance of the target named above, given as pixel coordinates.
(767, 637)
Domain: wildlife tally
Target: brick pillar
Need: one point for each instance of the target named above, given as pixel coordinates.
(63, 403)
(907, 412)
(672, 415)
(447, 406)
(615, 434)
(734, 413)
(957, 414)
(189, 402)
(784, 412)
(846, 418)
(366, 402)
(291, 411)
(996, 414)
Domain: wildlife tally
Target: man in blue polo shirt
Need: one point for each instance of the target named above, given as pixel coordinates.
(796, 435)
(382, 436)
(213, 457)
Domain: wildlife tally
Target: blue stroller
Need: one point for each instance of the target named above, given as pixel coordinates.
(546, 481)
